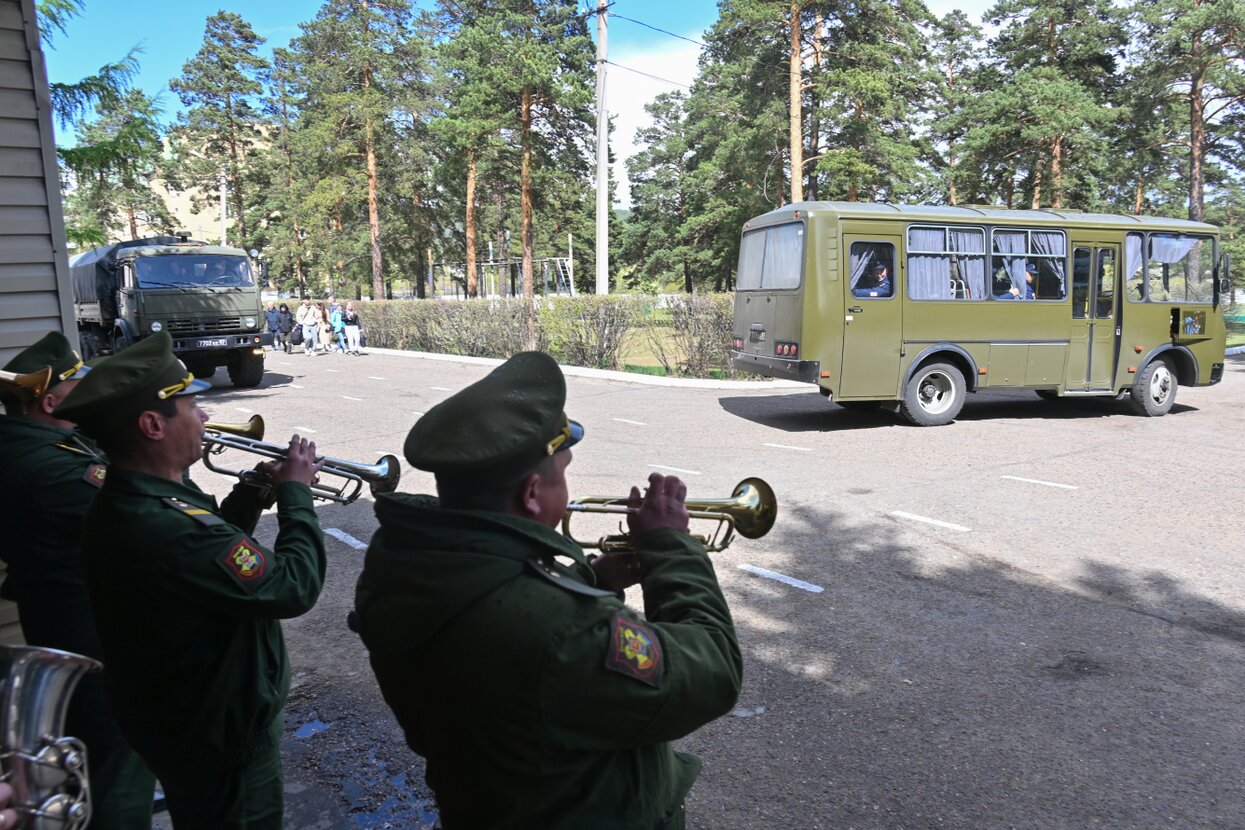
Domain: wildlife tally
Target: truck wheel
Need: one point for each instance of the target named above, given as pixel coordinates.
(203, 371)
(934, 395)
(246, 368)
(1154, 390)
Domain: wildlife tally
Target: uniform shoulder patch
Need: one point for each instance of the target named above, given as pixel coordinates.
(635, 650)
(95, 474)
(201, 515)
(245, 561)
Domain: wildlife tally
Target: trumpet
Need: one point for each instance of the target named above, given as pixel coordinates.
(381, 477)
(27, 387)
(750, 511)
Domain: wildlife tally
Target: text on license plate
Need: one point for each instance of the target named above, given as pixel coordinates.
(211, 342)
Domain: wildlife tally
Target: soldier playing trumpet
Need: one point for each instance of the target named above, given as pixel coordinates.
(187, 602)
(49, 474)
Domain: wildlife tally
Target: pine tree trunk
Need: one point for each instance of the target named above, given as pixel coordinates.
(1036, 181)
(795, 96)
(1056, 172)
(133, 219)
(373, 199)
(235, 172)
(1139, 191)
(814, 104)
(525, 210)
(473, 279)
(1197, 133)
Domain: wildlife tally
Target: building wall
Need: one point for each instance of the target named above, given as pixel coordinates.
(33, 262)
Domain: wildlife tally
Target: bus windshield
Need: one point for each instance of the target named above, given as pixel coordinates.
(183, 270)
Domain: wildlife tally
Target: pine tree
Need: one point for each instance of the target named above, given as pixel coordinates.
(221, 128)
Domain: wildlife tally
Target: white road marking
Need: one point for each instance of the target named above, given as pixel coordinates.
(677, 469)
(441, 388)
(788, 447)
(295, 386)
(902, 515)
(330, 370)
(345, 537)
(373, 377)
(304, 429)
(347, 397)
(420, 414)
(243, 409)
(629, 421)
(789, 580)
(1043, 483)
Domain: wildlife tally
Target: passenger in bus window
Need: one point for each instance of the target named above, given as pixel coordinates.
(880, 285)
(1014, 293)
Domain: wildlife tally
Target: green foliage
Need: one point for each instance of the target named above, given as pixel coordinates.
(588, 330)
(698, 336)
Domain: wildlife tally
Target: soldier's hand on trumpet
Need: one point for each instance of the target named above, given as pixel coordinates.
(661, 506)
(299, 464)
(8, 816)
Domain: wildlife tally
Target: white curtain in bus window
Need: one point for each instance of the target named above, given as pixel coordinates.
(1134, 277)
(864, 256)
(1050, 255)
(784, 256)
(1009, 271)
(968, 272)
(1180, 268)
(751, 258)
(946, 263)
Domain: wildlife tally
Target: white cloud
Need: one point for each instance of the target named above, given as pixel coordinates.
(627, 92)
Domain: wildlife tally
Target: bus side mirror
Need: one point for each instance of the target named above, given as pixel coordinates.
(1225, 277)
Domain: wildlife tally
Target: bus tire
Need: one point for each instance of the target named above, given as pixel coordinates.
(1154, 390)
(934, 395)
(246, 368)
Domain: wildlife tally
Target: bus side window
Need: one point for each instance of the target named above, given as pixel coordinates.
(1080, 283)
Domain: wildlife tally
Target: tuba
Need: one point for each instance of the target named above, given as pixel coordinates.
(46, 770)
(750, 511)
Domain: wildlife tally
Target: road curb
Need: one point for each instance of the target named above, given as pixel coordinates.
(607, 374)
(1236, 350)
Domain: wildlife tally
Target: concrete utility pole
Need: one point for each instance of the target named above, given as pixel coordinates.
(223, 212)
(603, 157)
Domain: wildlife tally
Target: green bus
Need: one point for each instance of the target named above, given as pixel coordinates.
(911, 307)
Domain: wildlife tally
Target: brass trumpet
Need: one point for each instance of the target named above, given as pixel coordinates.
(382, 477)
(750, 511)
(27, 387)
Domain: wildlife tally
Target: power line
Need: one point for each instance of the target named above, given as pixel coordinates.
(655, 29)
(648, 75)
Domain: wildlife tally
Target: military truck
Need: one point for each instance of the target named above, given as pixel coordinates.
(205, 296)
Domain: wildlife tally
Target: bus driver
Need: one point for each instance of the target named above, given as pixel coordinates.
(881, 283)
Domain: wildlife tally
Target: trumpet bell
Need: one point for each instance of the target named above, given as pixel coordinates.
(253, 428)
(27, 387)
(751, 505)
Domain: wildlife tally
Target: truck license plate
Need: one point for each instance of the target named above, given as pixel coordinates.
(211, 342)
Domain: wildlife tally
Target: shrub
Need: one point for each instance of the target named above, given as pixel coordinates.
(698, 335)
(590, 330)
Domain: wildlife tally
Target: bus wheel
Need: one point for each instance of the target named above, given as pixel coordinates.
(1154, 390)
(934, 395)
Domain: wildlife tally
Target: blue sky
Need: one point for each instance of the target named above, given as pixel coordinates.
(169, 32)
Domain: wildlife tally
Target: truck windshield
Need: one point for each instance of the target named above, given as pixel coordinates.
(192, 269)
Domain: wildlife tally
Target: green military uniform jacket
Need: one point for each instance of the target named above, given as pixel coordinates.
(538, 700)
(187, 605)
(48, 477)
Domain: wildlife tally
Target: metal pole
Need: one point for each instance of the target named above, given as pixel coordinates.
(223, 214)
(603, 173)
(570, 261)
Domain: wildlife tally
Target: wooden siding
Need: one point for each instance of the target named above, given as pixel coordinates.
(34, 267)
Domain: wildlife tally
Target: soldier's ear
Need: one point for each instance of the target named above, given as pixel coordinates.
(151, 425)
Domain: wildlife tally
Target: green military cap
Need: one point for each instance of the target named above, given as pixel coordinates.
(51, 351)
(128, 383)
(500, 425)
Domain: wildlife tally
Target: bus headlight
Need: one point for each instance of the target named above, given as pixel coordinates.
(249, 322)
(156, 325)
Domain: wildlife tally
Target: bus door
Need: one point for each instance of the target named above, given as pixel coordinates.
(1094, 338)
(873, 317)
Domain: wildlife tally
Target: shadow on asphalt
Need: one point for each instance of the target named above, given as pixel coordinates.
(813, 413)
(910, 693)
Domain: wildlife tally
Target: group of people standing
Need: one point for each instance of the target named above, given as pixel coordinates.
(315, 326)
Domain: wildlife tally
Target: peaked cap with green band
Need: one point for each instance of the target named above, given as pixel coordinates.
(129, 382)
(500, 425)
(52, 350)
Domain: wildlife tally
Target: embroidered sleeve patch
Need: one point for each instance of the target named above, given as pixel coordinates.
(95, 474)
(245, 562)
(635, 650)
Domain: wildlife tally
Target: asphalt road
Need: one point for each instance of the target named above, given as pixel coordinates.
(1033, 617)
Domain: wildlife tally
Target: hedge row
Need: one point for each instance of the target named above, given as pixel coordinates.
(686, 334)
